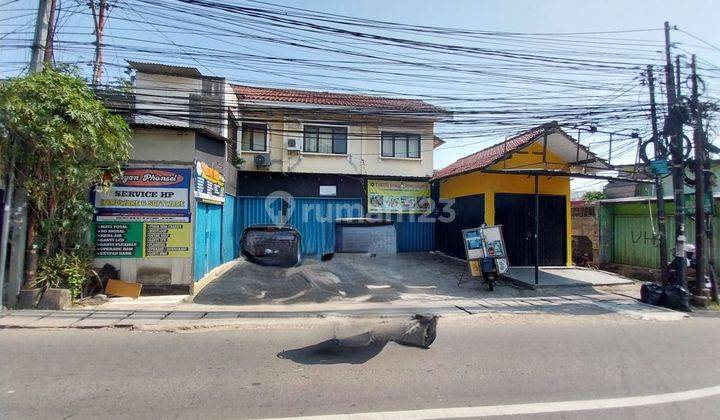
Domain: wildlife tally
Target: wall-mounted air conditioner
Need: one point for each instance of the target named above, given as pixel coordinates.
(293, 144)
(262, 159)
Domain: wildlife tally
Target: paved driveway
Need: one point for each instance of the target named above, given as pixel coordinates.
(356, 277)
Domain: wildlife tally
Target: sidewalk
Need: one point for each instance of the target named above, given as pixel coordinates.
(189, 316)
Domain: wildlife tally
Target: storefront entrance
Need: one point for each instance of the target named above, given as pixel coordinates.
(516, 214)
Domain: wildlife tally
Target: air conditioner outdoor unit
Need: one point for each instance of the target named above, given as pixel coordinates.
(262, 159)
(293, 144)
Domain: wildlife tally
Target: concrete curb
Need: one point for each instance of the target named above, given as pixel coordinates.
(172, 319)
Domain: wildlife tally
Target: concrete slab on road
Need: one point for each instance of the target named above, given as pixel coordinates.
(15, 319)
(102, 319)
(59, 319)
(564, 277)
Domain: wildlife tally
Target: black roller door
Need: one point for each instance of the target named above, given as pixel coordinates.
(515, 212)
(469, 212)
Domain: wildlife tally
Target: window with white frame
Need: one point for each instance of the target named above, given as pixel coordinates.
(400, 145)
(254, 137)
(325, 139)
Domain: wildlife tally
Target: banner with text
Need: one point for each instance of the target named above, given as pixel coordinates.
(138, 239)
(398, 197)
(143, 192)
(209, 184)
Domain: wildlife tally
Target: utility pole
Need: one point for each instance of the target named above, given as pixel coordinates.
(659, 191)
(700, 179)
(48, 54)
(673, 128)
(42, 23)
(678, 83)
(5, 233)
(19, 204)
(99, 13)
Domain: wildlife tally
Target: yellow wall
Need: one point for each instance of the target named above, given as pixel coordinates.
(489, 184)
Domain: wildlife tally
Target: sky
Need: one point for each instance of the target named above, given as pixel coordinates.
(700, 18)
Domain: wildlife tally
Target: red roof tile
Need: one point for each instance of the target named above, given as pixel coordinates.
(486, 157)
(333, 99)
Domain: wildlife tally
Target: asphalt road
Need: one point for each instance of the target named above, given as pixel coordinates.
(476, 361)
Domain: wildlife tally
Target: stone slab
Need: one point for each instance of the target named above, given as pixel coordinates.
(9, 321)
(58, 320)
(101, 320)
(142, 318)
(221, 315)
(185, 315)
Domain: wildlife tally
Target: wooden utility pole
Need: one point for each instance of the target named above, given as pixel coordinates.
(99, 12)
(673, 128)
(659, 191)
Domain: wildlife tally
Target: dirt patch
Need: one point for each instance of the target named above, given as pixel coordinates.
(360, 277)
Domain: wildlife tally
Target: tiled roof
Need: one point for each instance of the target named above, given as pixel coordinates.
(486, 157)
(333, 99)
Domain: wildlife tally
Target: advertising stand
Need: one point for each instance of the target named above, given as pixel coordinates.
(485, 254)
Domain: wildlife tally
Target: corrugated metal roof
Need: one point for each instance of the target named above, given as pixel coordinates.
(168, 69)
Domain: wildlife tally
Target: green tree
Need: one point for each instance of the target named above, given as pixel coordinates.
(65, 142)
(593, 196)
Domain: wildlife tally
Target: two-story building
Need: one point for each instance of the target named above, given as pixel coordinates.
(338, 155)
(210, 159)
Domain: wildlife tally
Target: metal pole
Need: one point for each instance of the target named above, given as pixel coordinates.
(699, 146)
(659, 191)
(537, 230)
(610, 150)
(674, 128)
(5, 233)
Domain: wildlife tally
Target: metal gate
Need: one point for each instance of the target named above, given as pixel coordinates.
(315, 219)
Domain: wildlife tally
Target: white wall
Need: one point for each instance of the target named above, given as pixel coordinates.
(167, 148)
(163, 98)
(363, 155)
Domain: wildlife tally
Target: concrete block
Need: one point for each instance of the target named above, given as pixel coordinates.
(55, 299)
(28, 298)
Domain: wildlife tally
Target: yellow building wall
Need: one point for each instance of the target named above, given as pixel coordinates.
(490, 184)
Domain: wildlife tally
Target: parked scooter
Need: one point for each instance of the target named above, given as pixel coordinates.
(691, 262)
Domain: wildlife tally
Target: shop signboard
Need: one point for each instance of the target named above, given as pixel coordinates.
(143, 192)
(485, 242)
(167, 240)
(146, 214)
(474, 249)
(209, 184)
(398, 197)
(138, 239)
(118, 239)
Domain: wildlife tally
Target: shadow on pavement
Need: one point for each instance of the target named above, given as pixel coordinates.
(354, 350)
